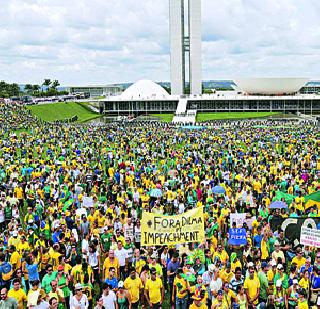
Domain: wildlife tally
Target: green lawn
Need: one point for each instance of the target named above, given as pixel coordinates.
(61, 111)
(163, 117)
(202, 116)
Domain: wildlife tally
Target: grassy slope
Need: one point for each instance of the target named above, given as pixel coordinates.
(164, 117)
(60, 111)
(232, 115)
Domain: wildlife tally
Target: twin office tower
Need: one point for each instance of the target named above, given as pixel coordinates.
(185, 45)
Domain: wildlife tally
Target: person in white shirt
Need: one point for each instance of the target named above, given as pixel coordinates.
(215, 284)
(79, 300)
(109, 298)
(122, 255)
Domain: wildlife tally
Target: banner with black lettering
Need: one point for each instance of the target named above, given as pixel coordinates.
(169, 230)
(292, 226)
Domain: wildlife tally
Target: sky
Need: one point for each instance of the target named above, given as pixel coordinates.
(93, 42)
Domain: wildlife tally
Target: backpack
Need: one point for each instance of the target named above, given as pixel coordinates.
(6, 271)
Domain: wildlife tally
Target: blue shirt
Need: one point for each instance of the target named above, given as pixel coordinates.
(257, 240)
(113, 282)
(32, 272)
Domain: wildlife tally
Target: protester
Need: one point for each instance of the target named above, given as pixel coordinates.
(73, 200)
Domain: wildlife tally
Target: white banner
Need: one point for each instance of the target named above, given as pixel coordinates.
(310, 237)
(239, 219)
(87, 201)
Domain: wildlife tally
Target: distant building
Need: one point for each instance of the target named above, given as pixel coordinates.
(95, 91)
(185, 45)
(312, 87)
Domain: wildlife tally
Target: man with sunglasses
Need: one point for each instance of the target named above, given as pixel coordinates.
(252, 287)
(7, 302)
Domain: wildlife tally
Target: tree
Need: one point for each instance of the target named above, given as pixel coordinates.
(47, 83)
(28, 88)
(55, 84)
(35, 87)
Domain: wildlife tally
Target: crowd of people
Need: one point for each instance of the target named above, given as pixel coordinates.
(72, 198)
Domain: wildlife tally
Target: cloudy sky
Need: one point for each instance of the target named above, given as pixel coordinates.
(107, 41)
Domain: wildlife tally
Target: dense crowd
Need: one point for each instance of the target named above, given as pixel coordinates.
(72, 198)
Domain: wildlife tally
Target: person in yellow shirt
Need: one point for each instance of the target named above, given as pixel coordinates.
(154, 291)
(299, 259)
(226, 274)
(23, 245)
(252, 287)
(180, 289)
(134, 286)
(218, 303)
(111, 261)
(221, 255)
(18, 293)
(15, 258)
(14, 240)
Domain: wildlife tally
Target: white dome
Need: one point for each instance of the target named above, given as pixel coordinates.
(270, 85)
(144, 89)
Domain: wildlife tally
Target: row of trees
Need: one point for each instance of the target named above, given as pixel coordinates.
(9, 90)
(47, 88)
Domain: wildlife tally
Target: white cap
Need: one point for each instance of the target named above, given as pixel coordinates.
(211, 268)
(295, 281)
(250, 264)
(78, 286)
(279, 282)
(280, 266)
(15, 233)
(120, 284)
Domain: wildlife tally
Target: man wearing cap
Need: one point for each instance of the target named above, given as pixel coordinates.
(207, 277)
(264, 283)
(252, 287)
(14, 239)
(134, 286)
(154, 291)
(277, 253)
(281, 275)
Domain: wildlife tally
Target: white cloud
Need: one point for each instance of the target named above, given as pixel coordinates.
(105, 41)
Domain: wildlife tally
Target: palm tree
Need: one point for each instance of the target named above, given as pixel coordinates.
(28, 88)
(55, 84)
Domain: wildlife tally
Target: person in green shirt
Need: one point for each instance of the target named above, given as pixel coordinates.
(281, 275)
(264, 283)
(63, 284)
(48, 278)
(106, 239)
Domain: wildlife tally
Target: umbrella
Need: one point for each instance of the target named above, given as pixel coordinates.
(218, 190)
(156, 193)
(278, 205)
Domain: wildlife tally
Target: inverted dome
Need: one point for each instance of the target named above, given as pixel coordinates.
(144, 89)
(270, 85)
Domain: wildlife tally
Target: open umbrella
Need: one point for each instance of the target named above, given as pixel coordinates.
(278, 205)
(218, 190)
(156, 193)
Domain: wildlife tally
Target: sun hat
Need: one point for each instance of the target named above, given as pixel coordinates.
(78, 286)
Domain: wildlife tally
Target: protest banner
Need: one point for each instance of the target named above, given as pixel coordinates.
(310, 237)
(237, 237)
(292, 226)
(169, 230)
(87, 201)
(240, 218)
